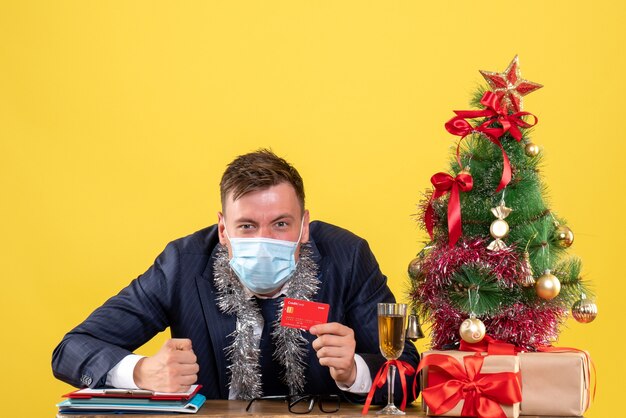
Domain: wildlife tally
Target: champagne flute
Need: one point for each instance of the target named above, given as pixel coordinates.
(391, 329)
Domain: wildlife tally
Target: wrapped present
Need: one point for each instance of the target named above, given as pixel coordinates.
(554, 373)
(461, 383)
(555, 383)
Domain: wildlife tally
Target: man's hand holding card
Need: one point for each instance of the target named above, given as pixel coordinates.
(335, 344)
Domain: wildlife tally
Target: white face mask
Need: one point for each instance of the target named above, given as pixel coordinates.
(263, 265)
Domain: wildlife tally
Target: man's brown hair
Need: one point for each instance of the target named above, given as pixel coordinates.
(259, 170)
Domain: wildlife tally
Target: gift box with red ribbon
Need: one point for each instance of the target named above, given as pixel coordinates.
(556, 383)
(461, 383)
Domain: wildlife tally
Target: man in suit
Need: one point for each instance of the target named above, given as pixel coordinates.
(221, 292)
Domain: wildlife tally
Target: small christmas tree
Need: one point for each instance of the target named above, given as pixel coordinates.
(497, 261)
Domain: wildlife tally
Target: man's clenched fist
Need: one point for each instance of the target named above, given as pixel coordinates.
(172, 369)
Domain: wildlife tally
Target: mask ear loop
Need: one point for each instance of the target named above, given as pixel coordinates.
(299, 237)
(301, 228)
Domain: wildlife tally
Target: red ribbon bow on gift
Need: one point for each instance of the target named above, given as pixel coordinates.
(404, 369)
(444, 183)
(495, 112)
(482, 393)
(491, 345)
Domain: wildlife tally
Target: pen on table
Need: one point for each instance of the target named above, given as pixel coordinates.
(132, 392)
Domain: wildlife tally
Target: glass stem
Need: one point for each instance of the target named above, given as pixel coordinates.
(391, 378)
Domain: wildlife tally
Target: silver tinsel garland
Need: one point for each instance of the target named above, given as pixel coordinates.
(290, 347)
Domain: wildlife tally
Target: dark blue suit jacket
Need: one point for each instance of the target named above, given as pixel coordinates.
(178, 292)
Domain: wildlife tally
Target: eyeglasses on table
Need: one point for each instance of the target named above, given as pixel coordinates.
(303, 404)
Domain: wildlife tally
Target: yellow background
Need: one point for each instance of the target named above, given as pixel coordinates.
(117, 119)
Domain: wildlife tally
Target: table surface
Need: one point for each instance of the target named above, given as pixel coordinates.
(220, 408)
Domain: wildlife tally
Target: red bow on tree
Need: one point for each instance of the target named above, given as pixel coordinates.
(482, 393)
(498, 123)
(444, 183)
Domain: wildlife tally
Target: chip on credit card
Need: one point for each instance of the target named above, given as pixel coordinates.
(303, 314)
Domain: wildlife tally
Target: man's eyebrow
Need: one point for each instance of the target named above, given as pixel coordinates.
(280, 217)
(283, 216)
(245, 220)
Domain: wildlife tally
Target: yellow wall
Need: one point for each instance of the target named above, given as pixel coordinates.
(118, 117)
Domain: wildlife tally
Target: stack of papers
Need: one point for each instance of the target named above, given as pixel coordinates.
(131, 400)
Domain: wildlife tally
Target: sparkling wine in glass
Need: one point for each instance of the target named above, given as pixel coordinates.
(391, 330)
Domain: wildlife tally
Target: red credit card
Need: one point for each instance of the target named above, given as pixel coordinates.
(303, 314)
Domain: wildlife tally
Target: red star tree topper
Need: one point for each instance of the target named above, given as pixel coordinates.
(509, 85)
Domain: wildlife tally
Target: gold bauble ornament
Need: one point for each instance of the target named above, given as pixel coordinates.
(548, 286)
(472, 330)
(499, 229)
(532, 150)
(415, 268)
(584, 310)
(564, 236)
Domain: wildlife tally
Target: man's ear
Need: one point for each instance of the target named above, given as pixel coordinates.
(221, 227)
(305, 227)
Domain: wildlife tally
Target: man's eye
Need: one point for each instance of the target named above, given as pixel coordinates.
(282, 224)
(246, 226)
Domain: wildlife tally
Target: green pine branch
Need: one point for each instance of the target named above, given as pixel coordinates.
(474, 289)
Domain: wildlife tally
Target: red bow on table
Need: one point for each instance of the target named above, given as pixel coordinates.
(482, 393)
(404, 369)
(495, 112)
(444, 183)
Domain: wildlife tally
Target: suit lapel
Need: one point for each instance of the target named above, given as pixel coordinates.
(315, 253)
(219, 325)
